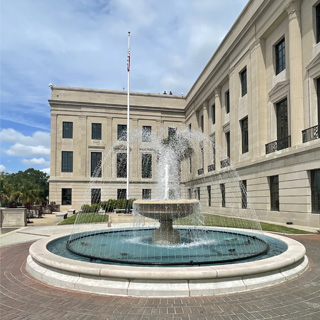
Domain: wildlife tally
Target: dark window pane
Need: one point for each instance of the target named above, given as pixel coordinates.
(245, 135)
(172, 131)
(243, 79)
(95, 196)
(67, 161)
(122, 132)
(202, 124)
(274, 193)
(280, 56)
(228, 143)
(96, 131)
(198, 193)
(146, 133)
(315, 190)
(96, 164)
(209, 195)
(223, 195)
(282, 123)
(67, 130)
(227, 101)
(121, 193)
(66, 196)
(121, 165)
(146, 165)
(146, 193)
(213, 111)
(318, 23)
(243, 187)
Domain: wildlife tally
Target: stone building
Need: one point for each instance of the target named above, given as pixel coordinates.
(258, 98)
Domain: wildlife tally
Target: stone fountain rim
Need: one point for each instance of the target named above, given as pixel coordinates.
(173, 202)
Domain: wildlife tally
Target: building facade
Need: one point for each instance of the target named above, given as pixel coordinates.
(258, 99)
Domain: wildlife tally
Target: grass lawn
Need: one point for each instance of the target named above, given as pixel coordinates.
(85, 218)
(209, 220)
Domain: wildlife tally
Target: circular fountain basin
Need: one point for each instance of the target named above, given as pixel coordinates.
(151, 281)
(166, 211)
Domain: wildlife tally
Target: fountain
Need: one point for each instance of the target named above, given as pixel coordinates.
(172, 249)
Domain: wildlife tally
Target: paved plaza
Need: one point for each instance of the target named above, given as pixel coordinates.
(25, 298)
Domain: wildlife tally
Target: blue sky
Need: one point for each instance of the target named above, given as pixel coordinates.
(83, 43)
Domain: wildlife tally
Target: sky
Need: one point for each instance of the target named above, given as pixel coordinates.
(84, 43)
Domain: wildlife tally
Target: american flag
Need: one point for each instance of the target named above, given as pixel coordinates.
(128, 61)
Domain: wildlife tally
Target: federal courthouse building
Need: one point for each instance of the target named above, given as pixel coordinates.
(258, 98)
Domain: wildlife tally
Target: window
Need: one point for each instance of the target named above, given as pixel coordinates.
(315, 190)
(172, 131)
(146, 167)
(67, 161)
(228, 143)
(274, 193)
(96, 131)
(227, 101)
(146, 193)
(243, 188)
(146, 133)
(318, 98)
(202, 158)
(66, 196)
(202, 124)
(67, 130)
(122, 132)
(95, 196)
(280, 56)
(243, 80)
(189, 126)
(121, 165)
(190, 164)
(189, 193)
(213, 111)
(198, 193)
(282, 124)
(318, 23)
(223, 195)
(209, 195)
(121, 193)
(96, 164)
(245, 136)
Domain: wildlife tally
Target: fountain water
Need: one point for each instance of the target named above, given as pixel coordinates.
(191, 250)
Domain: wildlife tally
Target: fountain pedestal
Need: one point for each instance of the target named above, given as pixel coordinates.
(166, 211)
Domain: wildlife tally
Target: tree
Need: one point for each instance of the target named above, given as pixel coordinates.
(29, 186)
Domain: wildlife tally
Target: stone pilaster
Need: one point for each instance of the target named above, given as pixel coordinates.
(296, 113)
(218, 125)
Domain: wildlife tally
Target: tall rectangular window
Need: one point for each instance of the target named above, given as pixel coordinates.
(213, 111)
(223, 195)
(146, 165)
(67, 161)
(146, 193)
(146, 133)
(189, 193)
(96, 131)
(95, 196)
(198, 193)
(228, 143)
(67, 131)
(66, 196)
(243, 80)
(209, 195)
(122, 132)
(315, 190)
(227, 101)
(190, 164)
(280, 56)
(245, 135)
(318, 98)
(318, 23)
(121, 165)
(274, 193)
(202, 124)
(172, 131)
(96, 164)
(243, 188)
(121, 193)
(282, 125)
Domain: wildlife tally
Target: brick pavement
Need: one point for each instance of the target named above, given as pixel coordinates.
(25, 298)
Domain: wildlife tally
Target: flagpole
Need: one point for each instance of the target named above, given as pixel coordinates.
(128, 124)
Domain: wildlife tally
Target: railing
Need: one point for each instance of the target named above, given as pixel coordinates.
(211, 167)
(278, 145)
(200, 171)
(225, 163)
(311, 134)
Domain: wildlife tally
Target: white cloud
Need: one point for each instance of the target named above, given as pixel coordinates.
(46, 170)
(37, 138)
(19, 149)
(2, 168)
(35, 161)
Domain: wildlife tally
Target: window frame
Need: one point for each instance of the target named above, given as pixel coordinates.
(274, 193)
(244, 194)
(317, 22)
(227, 101)
(67, 130)
(64, 196)
(223, 195)
(121, 194)
(123, 166)
(280, 55)
(95, 195)
(244, 81)
(315, 192)
(146, 194)
(96, 131)
(95, 164)
(146, 134)
(66, 161)
(213, 113)
(122, 132)
(146, 159)
(244, 135)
